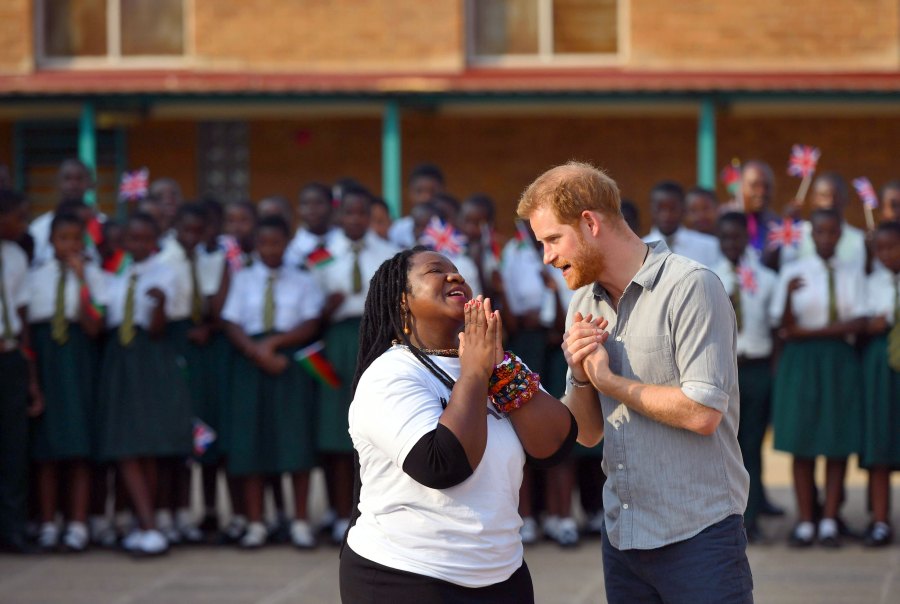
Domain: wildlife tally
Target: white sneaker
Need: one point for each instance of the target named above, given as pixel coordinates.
(550, 527)
(235, 529)
(151, 543)
(131, 540)
(75, 538)
(339, 529)
(187, 528)
(529, 530)
(48, 536)
(255, 537)
(566, 532)
(301, 535)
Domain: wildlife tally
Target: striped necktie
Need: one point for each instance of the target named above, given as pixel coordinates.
(893, 349)
(7, 322)
(59, 326)
(269, 305)
(832, 296)
(126, 329)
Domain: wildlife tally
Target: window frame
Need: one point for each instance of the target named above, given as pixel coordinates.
(545, 55)
(113, 59)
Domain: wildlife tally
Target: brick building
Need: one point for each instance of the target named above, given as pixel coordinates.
(253, 98)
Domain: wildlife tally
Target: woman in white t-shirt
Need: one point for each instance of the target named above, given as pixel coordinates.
(442, 423)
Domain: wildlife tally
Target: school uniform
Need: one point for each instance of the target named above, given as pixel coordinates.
(354, 265)
(303, 244)
(750, 285)
(521, 269)
(275, 412)
(402, 232)
(881, 375)
(699, 247)
(144, 402)
(39, 229)
(13, 394)
(817, 395)
(851, 247)
(67, 359)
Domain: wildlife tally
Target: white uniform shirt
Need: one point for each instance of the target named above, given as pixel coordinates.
(851, 247)
(521, 268)
(297, 297)
(39, 229)
(304, 242)
(15, 288)
(810, 302)
(548, 309)
(151, 273)
(210, 269)
(174, 256)
(754, 339)
(337, 276)
(402, 232)
(43, 281)
(697, 246)
(467, 534)
(881, 292)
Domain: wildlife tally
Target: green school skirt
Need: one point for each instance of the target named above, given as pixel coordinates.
(881, 408)
(68, 377)
(341, 348)
(272, 419)
(817, 399)
(144, 407)
(206, 371)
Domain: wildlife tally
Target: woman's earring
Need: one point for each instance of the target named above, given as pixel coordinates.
(406, 329)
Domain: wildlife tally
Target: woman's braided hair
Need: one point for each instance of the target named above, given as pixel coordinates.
(382, 319)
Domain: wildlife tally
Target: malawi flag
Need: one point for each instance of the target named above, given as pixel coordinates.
(95, 311)
(117, 263)
(318, 258)
(313, 360)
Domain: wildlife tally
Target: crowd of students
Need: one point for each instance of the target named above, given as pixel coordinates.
(177, 335)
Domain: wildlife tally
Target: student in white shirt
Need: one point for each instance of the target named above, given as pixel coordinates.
(476, 222)
(64, 326)
(271, 310)
(881, 381)
(750, 285)
(73, 181)
(817, 402)
(316, 212)
(425, 181)
(239, 231)
(357, 254)
(144, 407)
(17, 366)
(439, 473)
(830, 191)
(667, 208)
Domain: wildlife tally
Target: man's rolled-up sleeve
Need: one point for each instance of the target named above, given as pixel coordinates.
(704, 334)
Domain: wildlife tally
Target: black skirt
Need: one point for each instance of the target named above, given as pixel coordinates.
(367, 582)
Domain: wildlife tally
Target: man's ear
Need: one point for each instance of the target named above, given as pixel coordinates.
(591, 222)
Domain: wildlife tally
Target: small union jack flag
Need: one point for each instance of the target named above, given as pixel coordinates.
(803, 160)
(442, 237)
(134, 185)
(787, 232)
(204, 436)
(234, 255)
(747, 278)
(866, 192)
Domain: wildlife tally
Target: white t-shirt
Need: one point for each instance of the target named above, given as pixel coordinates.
(467, 534)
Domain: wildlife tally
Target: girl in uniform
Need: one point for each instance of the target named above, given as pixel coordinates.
(64, 327)
(271, 310)
(144, 405)
(358, 253)
(881, 380)
(817, 404)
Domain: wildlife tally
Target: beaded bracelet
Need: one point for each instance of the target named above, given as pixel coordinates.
(512, 385)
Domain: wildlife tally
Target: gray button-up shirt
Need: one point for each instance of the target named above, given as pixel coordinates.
(675, 326)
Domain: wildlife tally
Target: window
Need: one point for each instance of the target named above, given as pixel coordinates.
(544, 31)
(97, 32)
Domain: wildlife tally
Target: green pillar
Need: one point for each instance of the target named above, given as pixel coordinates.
(391, 179)
(706, 144)
(87, 145)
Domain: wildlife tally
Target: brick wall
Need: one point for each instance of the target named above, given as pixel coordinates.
(765, 34)
(338, 35)
(16, 26)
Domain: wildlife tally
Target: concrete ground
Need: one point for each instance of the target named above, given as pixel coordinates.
(277, 575)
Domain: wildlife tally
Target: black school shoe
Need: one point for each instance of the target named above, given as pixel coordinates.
(801, 540)
(878, 534)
